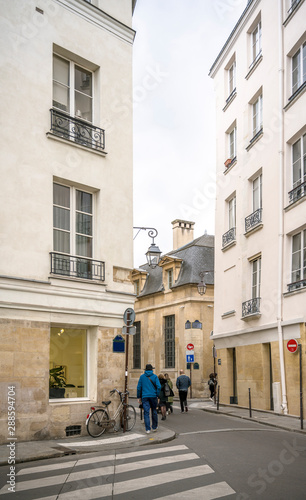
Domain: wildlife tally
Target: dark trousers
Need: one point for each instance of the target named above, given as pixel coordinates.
(183, 399)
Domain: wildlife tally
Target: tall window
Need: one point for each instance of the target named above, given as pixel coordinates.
(232, 78)
(256, 42)
(299, 257)
(257, 193)
(170, 278)
(232, 213)
(299, 161)
(256, 278)
(170, 341)
(257, 115)
(72, 221)
(72, 89)
(137, 346)
(232, 143)
(299, 68)
(68, 348)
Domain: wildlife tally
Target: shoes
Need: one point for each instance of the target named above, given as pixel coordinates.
(148, 432)
(182, 411)
(163, 418)
(186, 408)
(154, 430)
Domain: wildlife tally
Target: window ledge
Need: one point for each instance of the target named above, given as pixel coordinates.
(251, 316)
(75, 279)
(254, 66)
(295, 96)
(254, 229)
(230, 99)
(255, 139)
(294, 292)
(231, 165)
(293, 12)
(229, 245)
(75, 144)
(295, 203)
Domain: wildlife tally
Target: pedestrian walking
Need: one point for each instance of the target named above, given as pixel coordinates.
(182, 383)
(162, 399)
(148, 389)
(212, 384)
(169, 404)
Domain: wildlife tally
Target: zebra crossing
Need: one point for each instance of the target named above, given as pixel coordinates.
(163, 473)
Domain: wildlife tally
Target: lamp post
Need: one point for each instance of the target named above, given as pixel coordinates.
(153, 254)
(202, 285)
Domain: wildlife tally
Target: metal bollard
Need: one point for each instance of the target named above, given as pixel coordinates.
(250, 404)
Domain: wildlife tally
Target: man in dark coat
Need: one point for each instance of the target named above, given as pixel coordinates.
(148, 389)
(182, 383)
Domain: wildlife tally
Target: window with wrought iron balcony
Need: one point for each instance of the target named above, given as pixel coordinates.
(251, 308)
(254, 220)
(229, 238)
(72, 111)
(298, 171)
(298, 263)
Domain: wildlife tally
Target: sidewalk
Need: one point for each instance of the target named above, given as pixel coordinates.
(37, 450)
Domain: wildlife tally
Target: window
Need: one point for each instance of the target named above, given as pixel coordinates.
(232, 78)
(232, 143)
(256, 278)
(170, 341)
(257, 193)
(257, 115)
(72, 89)
(232, 213)
(136, 287)
(256, 43)
(68, 348)
(137, 346)
(299, 68)
(170, 278)
(298, 272)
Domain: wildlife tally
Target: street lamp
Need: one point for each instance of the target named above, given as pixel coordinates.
(202, 285)
(153, 254)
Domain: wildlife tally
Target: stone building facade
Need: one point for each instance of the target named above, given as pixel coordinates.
(170, 313)
(66, 252)
(259, 79)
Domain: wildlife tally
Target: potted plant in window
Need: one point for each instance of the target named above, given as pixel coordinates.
(57, 382)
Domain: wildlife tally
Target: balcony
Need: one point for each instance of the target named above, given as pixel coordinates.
(297, 193)
(253, 221)
(251, 308)
(77, 130)
(296, 285)
(229, 238)
(77, 267)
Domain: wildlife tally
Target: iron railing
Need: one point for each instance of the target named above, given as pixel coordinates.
(251, 307)
(228, 237)
(76, 130)
(253, 220)
(296, 285)
(77, 267)
(293, 6)
(298, 192)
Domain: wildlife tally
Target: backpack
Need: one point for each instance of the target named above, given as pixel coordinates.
(211, 382)
(167, 389)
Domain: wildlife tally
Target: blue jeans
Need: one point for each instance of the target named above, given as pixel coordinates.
(148, 403)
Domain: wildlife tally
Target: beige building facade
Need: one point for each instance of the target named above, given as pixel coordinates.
(260, 247)
(66, 217)
(170, 313)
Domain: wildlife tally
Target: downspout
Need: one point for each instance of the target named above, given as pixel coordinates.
(281, 204)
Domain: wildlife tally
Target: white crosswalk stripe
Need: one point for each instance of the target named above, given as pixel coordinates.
(121, 473)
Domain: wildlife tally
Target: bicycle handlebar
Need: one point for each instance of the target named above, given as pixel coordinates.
(120, 393)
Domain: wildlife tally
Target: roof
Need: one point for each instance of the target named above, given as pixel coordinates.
(197, 256)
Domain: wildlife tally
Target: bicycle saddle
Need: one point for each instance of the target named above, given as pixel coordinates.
(106, 403)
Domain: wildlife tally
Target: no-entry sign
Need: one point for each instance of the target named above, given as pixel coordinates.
(190, 347)
(292, 345)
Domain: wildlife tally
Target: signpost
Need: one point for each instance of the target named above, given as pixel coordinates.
(128, 318)
(292, 346)
(190, 359)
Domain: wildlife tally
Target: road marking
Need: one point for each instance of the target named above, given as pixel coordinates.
(228, 430)
(210, 492)
(98, 442)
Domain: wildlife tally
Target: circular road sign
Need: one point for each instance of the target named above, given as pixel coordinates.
(129, 316)
(292, 345)
(190, 347)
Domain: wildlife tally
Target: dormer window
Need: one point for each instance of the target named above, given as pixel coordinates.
(170, 278)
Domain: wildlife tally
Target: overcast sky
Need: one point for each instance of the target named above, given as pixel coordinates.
(176, 43)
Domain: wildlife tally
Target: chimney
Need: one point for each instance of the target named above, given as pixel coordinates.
(182, 233)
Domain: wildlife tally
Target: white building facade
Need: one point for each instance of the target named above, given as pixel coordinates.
(260, 245)
(66, 216)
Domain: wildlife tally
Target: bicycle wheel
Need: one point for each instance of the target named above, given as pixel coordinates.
(130, 417)
(97, 423)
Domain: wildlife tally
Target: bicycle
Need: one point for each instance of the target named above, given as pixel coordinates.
(98, 420)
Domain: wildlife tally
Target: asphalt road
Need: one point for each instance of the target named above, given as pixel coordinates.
(213, 456)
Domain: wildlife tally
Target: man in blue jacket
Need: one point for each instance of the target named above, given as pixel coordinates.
(182, 383)
(148, 389)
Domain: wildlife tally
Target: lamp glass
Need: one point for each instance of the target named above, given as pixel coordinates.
(153, 255)
(202, 288)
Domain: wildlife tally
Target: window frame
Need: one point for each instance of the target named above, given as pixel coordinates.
(256, 46)
(170, 278)
(169, 341)
(257, 115)
(232, 143)
(299, 273)
(232, 79)
(300, 68)
(256, 277)
(232, 213)
(257, 193)
(301, 159)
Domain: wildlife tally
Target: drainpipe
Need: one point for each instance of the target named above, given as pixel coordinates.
(281, 204)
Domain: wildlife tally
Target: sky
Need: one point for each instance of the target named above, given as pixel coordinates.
(176, 43)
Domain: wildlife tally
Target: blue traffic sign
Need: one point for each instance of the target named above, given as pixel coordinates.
(189, 358)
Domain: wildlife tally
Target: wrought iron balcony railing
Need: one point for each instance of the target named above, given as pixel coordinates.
(297, 193)
(251, 307)
(77, 267)
(76, 130)
(296, 285)
(253, 220)
(229, 237)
